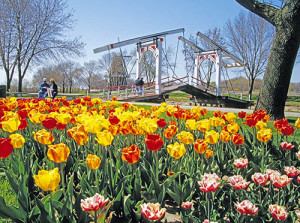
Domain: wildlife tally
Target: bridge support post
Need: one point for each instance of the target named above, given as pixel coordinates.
(158, 54)
(195, 80)
(138, 61)
(218, 72)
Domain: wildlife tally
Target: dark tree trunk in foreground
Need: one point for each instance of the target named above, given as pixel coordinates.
(274, 89)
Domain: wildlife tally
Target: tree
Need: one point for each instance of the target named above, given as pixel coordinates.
(90, 74)
(250, 38)
(35, 33)
(286, 19)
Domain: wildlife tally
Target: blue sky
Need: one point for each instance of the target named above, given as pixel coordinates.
(101, 22)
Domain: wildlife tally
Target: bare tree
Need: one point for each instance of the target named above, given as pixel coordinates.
(90, 74)
(36, 33)
(277, 77)
(250, 38)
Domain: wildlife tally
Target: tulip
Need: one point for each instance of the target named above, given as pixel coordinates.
(287, 130)
(17, 140)
(161, 123)
(242, 114)
(286, 146)
(203, 125)
(209, 183)
(260, 178)
(6, 147)
(233, 128)
(47, 180)
(278, 124)
(63, 118)
(154, 142)
(217, 114)
(104, 138)
(216, 121)
(278, 212)
(114, 120)
(185, 137)
(49, 123)
(260, 125)
(170, 131)
(131, 154)
(186, 205)
(297, 123)
(79, 134)
(200, 146)
(191, 124)
(298, 154)
(170, 173)
(240, 163)
(209, 153)
(238, 182)
(298, 179)
(237, 139)
(246, 207)
(93, 161)
(152, 211)
(230, 117)
(212, 137)
(251, 120)
(23, 124)
(176, 150)
(280, 180)
(224, 136)
(11, 125)
(291, 171)
(58, 153)
(43, 137)
(93, 203)
(264, 135)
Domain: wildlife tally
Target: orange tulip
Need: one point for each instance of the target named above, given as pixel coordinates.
(78, 134)
(43, 136)
(200, 146)
(131, 154)
(224, 136)
(93, 161)
(58, 153)
(209, 153)
(237, 139)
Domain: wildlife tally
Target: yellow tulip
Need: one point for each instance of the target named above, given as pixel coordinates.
(79, 134)
(191, 124)
(225, 136)
(104, 138)
(63, 118)
(47, 180)
(260, 125)
(58, 153)
(212, 137)
(185, 137)
(230, 117)
(11, 125)
(17, 140)
(297, 123)
(35, 117)
(177, 150)
(93, 125)
(264, 135)
(43, 136)
(93, 161)
(233, 128)
(216, 121)
(203, 125)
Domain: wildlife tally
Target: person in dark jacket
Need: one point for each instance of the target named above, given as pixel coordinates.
(43, 89)
(141, 86)
(53, 88)
(137, 88)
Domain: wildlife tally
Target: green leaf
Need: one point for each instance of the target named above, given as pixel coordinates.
(17, 215)
(127, 203)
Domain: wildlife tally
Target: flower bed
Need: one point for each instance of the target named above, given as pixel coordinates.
(86, 160)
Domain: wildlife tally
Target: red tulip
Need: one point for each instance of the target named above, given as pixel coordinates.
(23, 124)
(260, 178)
(209, 182)
(286, 146)
(238, 182)
(49, 123)
(186, 205)
(6, 147)
(114, 120)
(287, 130)
(278, 212)
(280, 180)
(161, 123)
(237, 139)
(291, 171)
(93, 203)
(242, 114)
(246, 207)
(154, 142)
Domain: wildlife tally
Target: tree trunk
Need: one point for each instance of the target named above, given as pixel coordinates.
(20, 84)
(251, 83)
(273, 93)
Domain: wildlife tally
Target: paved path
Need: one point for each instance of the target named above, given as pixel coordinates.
(235, 110)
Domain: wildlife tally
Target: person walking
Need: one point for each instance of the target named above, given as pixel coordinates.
(137, 82)
(141, 86)
(43, 89)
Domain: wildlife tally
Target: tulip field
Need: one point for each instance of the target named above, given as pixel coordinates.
(87, 160)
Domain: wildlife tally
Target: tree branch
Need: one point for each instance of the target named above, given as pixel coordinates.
(263, 10)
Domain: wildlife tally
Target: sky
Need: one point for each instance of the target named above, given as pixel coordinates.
(102, 22)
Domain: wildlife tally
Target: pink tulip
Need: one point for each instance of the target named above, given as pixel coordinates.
(246, 207)
(209, 182)
(152, 211)
(298, 154)
(298, 179)
(238, 182)
(278, 212)
(270, 172)
(280, 180)
(260, 178)
(291, 171)
(286, 146)
(186, 205)
(240, 163)
(93, 203)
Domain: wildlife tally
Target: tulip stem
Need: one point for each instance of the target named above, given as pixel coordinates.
(278, 196)
(62, 178)
(95, 216)
(156, 171)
